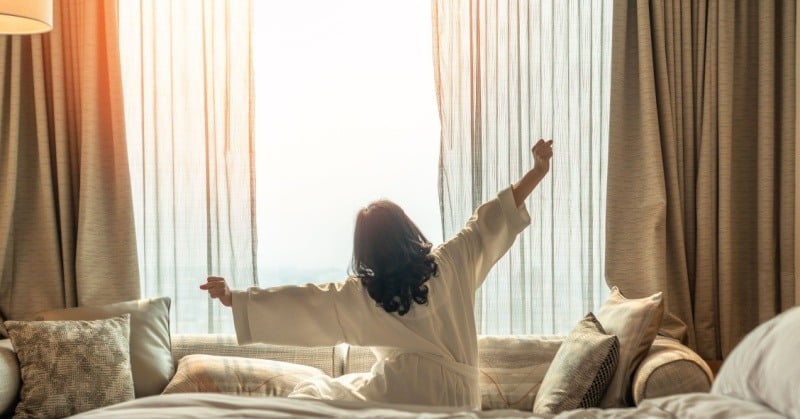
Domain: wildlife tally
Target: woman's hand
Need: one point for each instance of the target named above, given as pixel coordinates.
(217, 288)
(542, 152)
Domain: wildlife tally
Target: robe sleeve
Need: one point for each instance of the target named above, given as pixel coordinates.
(319, 315)
(487, 236)
(303, 315)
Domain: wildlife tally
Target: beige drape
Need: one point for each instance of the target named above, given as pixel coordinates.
(797, 165)
(701, 181)
(66, 221)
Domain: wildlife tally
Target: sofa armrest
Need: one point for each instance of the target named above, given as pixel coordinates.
(670, 368)
(10, 381)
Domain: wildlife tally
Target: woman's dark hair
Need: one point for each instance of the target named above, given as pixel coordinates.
(391, 257)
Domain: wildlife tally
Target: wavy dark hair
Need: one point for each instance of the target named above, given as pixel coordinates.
(391, 257)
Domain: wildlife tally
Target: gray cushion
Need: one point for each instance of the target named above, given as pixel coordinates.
(151, 356)
(68, 367)
(581, 370)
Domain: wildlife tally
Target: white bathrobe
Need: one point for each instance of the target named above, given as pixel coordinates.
(427, 356)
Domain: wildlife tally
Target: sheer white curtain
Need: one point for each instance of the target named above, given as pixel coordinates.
(508, 73)
(188, 90)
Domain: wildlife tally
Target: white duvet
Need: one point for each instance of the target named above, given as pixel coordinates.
(207, 405)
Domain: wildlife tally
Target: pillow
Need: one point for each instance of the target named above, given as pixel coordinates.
(151, 356)
(512, 368)
(635, 322)
(68, 367)
(201, 373)
(763, 367)
(581, 370)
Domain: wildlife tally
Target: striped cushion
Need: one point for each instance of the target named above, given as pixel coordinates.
(234, 375)
(581, 370)
(226, 345)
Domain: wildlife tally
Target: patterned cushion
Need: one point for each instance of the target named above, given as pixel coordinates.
(151, 359)
(581, 370)
(68, 367)
(234, 375)
(635, 322)
(512, 367)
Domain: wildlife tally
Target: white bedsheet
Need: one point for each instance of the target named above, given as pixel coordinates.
(208, 405)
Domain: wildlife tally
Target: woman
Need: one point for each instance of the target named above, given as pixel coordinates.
(411, 305)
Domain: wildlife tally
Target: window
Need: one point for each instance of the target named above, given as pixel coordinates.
(346, 113)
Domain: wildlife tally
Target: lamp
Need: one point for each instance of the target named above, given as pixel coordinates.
(20, 17)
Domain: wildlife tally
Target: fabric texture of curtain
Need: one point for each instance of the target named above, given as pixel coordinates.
(66, 220)
(508, 73)
(701, 184)
(189, 105)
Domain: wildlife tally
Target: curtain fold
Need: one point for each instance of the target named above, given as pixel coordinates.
(189, 106)
(508, 73)
(66, 220)
(701, 182)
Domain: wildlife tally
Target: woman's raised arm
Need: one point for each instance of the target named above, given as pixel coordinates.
(542, 152)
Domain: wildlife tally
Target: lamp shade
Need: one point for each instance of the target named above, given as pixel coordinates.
(18, 17)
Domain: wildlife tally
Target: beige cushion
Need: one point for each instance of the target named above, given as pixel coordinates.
(512, 368)
(670, 368)
(151, 358)
(9, 378)
(68, 367)
(235, 375)
(635, 322)
(581, 370)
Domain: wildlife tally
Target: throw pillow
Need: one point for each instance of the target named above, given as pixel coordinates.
(635, 322)
(581, 370)
(512, 368)
(201, 373)
(68, 367)
(763, 367)
(151, 356)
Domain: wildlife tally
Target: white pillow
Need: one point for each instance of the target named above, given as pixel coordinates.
(764, 368)
(635, 322)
